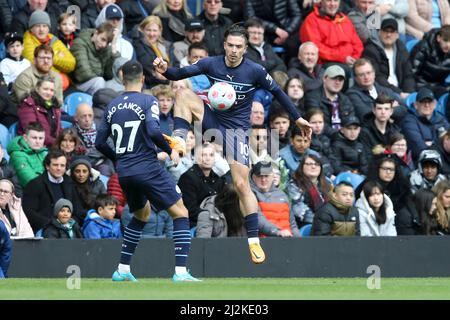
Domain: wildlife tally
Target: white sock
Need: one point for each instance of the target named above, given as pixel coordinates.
(123, 268)
(253, 240)
(180, 270)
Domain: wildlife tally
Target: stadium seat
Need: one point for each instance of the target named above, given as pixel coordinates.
(305, 231)
(66, 124)
(411, 44)
(5, 137)
(353, 178)
(13, 130)
(72, 101)
(38, 233)
(410, 100)
(193, 232)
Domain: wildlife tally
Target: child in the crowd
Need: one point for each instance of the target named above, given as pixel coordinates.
(67, 28)
(62, 226)
(279, 120)
(100, 222)
(166, 99)
(348, 151)
(320, 139)
(14, 63)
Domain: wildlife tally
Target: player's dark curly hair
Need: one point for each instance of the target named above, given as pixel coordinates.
(237, 30)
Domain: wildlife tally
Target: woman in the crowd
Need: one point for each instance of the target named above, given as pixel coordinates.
(11, 211)
(376, 211)
(308, 189)
(399, 147)
(221, 216)
(149, 44)
(386, 170)
(69, 143)
(87, 182)
(43, 107)
(174, 14)
(425, 202)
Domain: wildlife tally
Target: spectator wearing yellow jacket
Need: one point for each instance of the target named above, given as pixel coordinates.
(39, 33)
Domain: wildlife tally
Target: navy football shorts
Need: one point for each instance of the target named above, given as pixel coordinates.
(158, 187)
(235, 140)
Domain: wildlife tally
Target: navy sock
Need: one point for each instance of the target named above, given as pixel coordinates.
(180, 128)
(182, 240)
(251, 224)
(131, 237)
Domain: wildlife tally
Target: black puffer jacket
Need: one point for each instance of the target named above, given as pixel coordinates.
(285, 14)
(195, 187)
(403, 68)
(430, 64)
(272, 61)
(328, 221)
(311, 81)
(349, 155)
(407, 220)
(318, 99)
(370, 136)
(55, 230)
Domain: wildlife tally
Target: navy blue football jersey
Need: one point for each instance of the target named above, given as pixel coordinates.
(245, 79)
(132, 120)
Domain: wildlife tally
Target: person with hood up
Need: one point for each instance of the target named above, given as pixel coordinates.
(428, 172)
(62, 226)
(113, 14)
(116, 82)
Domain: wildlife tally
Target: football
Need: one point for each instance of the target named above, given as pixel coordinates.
(221, 96)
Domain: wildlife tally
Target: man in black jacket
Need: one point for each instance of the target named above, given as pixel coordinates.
(305, 66)
(215, 25)
(338, 217)
(377, 126)
(200, 181)
(19, 22)
(335, 105)
(431, 61)
(281, 19)
(391, 60)
(260, 51)
(41, 193)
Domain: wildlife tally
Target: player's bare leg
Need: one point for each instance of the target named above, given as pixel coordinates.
(249, 207)
(182, 241)
(131, 237)
(188, 107)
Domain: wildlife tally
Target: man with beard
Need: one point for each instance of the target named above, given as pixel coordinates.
(27, 80)
(95, 58)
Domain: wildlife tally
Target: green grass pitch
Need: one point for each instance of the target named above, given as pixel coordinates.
(228, 289)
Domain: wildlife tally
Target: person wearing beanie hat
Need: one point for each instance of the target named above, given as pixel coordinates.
(86, 180)
(428, 172)
(14, 63)
(39, 33)
(62, 226)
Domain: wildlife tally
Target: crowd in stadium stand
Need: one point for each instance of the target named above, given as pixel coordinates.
(371, 76)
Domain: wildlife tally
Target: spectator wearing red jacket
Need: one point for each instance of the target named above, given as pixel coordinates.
(333, 33)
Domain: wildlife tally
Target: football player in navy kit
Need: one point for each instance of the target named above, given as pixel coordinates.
(132, 120)
(245, 76)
